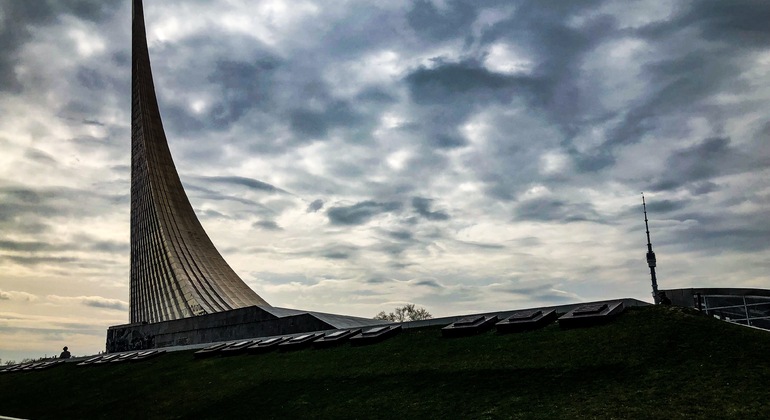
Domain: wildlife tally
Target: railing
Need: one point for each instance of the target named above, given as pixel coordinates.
(753, 311)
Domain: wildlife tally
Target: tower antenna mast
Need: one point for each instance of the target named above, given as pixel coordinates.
(650, 256)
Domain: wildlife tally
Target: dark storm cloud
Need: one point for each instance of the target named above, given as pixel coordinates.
(93, 122)
(741, 22)
(96, 245)
(718, 239)
(335, 255)
(25, 226)
(452, 91)
(312, 124)
(26, 246)
(59, 251)
(701, 188)
(689, 73)
(183, 121)
(42, 260)
(402, 235)
(554, 297)
(680, 85)
(677, 209)
(557, 49)
(545, 293)
(21, 18)
(90, 78)
(100, 302)
(666, 206)
(449, 140)
(339, 252)
(251, 183)
(423, 207)
(106, 144)
(20, 203)
(267, 225)
(394, 250)
(233, 71)
(315, 206)
(308, 123)
(375, 95)
(355, 170)
(430, 22)
(482, 246)
(208, 194)
(359, 213)
(557, 211)
(557, 83)
(242, 87)
(737, 224)
(429, 283)
(24, 195)
(77, 111)
(696, 165)
(466, 80)
(211, 214)
(448, 93)
(40, 156)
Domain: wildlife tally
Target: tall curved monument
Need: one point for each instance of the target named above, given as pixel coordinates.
(182, 290)
(176, 272)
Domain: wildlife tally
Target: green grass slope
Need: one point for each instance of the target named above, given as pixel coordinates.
(653, 362)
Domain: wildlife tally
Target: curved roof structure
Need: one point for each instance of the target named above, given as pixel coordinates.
(176, 272)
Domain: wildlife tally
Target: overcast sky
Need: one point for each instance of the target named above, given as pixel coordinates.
(352, 156)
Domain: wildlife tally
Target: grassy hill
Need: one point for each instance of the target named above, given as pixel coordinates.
(652, 362)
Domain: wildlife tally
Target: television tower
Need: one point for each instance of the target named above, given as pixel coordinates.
(650, 256)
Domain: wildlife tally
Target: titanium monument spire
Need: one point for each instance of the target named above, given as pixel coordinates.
(176, 272)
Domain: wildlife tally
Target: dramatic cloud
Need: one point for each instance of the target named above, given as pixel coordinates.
(267, 225)
(422, 207)
(359, 213)
(315, 206)
(463, 81)
(91, 301)
(555, 210)
(242, 181)
(698, 164)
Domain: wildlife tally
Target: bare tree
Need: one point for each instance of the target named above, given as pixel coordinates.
(404, 313)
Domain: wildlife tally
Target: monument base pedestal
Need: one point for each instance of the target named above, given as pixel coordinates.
(235, 324)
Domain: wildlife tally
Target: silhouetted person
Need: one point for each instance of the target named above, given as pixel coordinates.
(663, 299)
(65, 354)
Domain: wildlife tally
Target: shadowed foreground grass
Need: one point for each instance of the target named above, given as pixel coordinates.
(653, 362)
